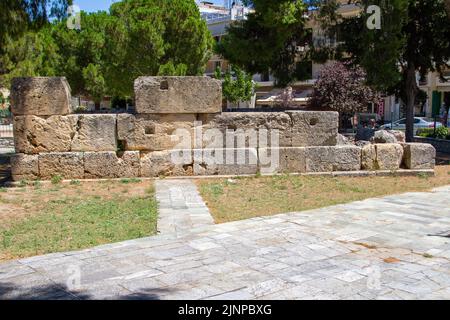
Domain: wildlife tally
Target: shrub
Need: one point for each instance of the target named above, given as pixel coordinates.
(56, 179)
(441, 133)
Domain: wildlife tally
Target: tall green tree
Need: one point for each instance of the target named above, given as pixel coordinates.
(151, 37)
(413, 39)
(21, 18)
(268, 41)
(33, 54)
(85, 54)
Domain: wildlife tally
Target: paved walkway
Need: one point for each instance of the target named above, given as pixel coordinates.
(180, 207)
(395, 247)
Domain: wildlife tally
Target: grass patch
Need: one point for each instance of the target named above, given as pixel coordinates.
(261, 196)
(132, 180)
(70, 225)
(54, 219)
(57, 179)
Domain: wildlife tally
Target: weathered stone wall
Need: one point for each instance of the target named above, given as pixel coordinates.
(162, 138)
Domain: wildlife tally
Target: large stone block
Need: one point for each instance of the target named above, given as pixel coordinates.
(69, 165)
(369, 157)
(282, 160)
(178, 95)
(389, 156)
(110, 165)
(96, 132)
(40, 96)
(256, 129)
(419, 156)
(34, 134)
(211, 162)
(338, 158)
(155, 132)
(25, 167)
(314, 128)
(167, 163)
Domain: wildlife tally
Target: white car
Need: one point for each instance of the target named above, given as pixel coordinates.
(419, 123)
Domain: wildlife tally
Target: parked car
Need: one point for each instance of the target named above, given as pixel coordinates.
(419, 123)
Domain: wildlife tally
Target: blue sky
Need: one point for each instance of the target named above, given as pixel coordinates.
(95, 5)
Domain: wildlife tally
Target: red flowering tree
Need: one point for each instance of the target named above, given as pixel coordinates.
(342, 88)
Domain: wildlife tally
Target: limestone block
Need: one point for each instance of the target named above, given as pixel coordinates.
(267, 128)
(282, 160)
(110, 165)
(155, 132)
(369, 157)
(40, 96)
(69, 165)
(314, 128)
(385, 136)
(96, 132)
(167, 163)
(389, 156)
(225, 161)
(34, 134)
(178, 95)
(25, 167)
(338, 158)
(419, 156)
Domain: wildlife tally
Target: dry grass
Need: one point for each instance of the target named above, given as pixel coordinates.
(44, 218)
(262, 196)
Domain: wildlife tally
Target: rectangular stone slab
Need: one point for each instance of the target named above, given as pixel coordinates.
(328, 159)
(68, 165)
(253, 123)
(33, 134)
(314, 128)
(40, 96)
(95, 132)
(167, 163)
(155, 132)
(211, 162)
(419, 156)
(389, 156)
(25, 167)
(98, 165)
(282, 160)
(178, 95)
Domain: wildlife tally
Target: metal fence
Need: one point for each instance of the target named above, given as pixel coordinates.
(6, 124)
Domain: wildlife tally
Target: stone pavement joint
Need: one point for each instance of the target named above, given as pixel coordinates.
(371, 249)
(181, 208)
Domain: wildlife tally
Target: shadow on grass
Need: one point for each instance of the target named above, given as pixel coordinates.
(11, 291)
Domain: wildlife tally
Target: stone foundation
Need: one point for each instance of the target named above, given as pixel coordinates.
(179, 131)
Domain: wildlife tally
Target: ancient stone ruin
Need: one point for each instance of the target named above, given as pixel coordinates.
(171, 112)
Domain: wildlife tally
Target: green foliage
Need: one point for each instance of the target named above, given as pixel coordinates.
(137, 37)
(439, 133)
(56, 179)
(72, 224)
(237, 85)
(33, 54)
(169, 69)
(95, 84)
(268, 40)
(413, 38)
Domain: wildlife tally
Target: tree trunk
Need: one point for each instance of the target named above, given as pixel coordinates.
(97, 106)
(411, 91)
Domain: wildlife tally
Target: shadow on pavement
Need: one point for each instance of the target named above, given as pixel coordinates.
(11, 291)
(5, 168)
